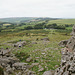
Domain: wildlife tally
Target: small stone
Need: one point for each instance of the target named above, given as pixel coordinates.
(56, 66)
(48, 73)
(35, 64)
(29, 59)
(42, 69)
(43, 53)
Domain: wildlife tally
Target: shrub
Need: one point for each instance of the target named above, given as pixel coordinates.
(28, 27)
(22, 56)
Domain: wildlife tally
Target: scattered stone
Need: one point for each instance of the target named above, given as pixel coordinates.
(29, 59)
(42, 69)
(40, 66)
(37, 57)
(43, 53)
(35, 64)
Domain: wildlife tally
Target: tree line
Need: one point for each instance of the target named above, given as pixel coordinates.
(49, 26)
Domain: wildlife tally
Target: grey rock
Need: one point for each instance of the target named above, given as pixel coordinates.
(48, 73)
(41, 69)
(67, 66)
(29, 59)
(34, 64)
(20, 44)
(63, 43)
(20, 66)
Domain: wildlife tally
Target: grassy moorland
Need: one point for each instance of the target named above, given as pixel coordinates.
(46, 53)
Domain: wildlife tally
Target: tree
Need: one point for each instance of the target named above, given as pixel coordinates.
(38, 27)
(54, 25)
(28, 27)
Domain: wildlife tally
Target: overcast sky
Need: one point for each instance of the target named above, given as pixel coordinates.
(37, 8)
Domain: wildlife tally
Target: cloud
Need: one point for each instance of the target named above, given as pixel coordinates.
(37, 8)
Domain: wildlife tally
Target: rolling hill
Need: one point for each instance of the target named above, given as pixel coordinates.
(24, 19)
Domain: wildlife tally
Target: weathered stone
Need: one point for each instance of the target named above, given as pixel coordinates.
(73, 31)
(4, 60)
(19, 66)
(41, 69)
(34, 64)
(20, 44)
(29, 59)
(48, 73)
(63, 43)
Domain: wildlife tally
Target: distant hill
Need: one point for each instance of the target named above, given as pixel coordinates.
(24, 19)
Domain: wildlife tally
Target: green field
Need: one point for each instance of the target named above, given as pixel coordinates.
(62, 21)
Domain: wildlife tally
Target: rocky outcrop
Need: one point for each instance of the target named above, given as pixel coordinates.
(9, 64)
(67, 66)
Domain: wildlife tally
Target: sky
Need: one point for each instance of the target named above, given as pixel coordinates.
(37, 8)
